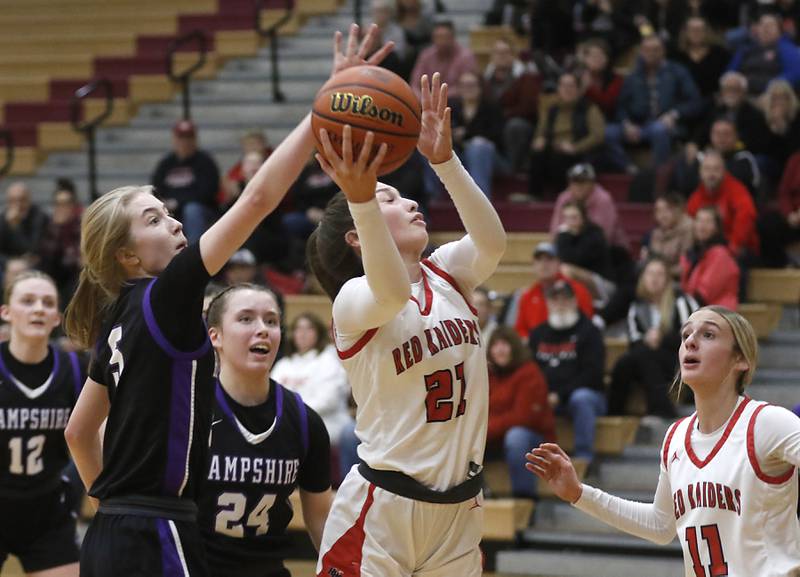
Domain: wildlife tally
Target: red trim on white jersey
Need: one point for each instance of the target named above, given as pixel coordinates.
(751, 454)
(688, 439)
(357, 346)
(427, 262)
(668, 442)
(343, 559)
(428, 296)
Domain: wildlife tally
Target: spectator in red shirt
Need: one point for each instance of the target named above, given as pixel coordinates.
(235, 178)
(602, 84)
(532, 309)
(733, 201)
(520, 416)
(709, 272)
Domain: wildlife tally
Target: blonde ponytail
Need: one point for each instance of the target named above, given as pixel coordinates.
(105, 228)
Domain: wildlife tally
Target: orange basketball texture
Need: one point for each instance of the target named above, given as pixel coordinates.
(369, 98)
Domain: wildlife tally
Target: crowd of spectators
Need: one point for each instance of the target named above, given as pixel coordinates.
(699, 93)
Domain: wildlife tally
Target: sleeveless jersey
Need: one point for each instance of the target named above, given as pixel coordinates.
(244, 506)
(732, 518)
(161, 402)
(421, 386)
(33, 452)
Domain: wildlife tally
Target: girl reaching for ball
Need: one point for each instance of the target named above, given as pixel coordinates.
(409, 339)
(728, 479)
(139, 305)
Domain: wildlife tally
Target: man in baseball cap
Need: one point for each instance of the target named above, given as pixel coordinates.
(532, 303)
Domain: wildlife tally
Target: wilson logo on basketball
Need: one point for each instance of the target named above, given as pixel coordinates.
(363, 106)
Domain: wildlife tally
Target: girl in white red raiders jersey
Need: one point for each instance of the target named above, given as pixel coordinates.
(728, 482)
(410, 342)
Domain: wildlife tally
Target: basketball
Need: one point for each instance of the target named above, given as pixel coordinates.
(369, 98)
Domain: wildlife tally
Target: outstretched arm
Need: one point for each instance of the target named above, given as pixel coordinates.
(474, 258)
(652, 521)
(269, 185)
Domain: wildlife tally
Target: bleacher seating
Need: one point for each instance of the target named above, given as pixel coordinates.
(50, 48)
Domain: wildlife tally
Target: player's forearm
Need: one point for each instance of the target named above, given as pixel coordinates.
(475, 210)
(282, 167)
(316, 507)
(86, 451)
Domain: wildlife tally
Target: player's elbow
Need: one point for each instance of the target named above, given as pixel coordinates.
(663, 538)
(76, 433)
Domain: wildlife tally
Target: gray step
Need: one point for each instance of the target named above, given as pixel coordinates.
(779, 355)
(463, 17)
(110, 165)
(42, 187)
(553, 515)
(783, 394)
(600, 543)
(211, 138)
(625, 474)
(577, 564)
(234, 90)
(221, 113)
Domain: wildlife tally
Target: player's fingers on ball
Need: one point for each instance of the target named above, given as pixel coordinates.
(347, 145)
(378, 160)
(366, 150)
(327, 147)
(324, 165)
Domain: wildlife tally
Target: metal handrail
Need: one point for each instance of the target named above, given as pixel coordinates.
(8, 140)
(272, 34)
(185, 76)
(89, 126)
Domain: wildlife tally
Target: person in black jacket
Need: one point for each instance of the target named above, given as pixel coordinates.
(23, 223)
(188, 181)
(570, 132)
(654, 322)
(570, 351)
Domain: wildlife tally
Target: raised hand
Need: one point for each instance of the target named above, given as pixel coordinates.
(548, 461)
(435, 138)
(355, 54)
(356, 179)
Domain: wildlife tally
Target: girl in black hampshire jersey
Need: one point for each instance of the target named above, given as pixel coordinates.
(139, 304)
(264, 443)
(38, 388)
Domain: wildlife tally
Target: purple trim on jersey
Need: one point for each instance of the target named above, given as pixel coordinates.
(226, 408)
(180, 415)
(76, 373)
(53, 373)
(159, 337)
(223, 402)
(171, 565)
(301, 408)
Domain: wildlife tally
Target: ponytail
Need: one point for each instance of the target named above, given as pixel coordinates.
(105, 228)
(329, 257)
(84, 313)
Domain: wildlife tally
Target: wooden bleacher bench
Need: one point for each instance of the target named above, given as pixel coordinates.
(519, 247)
(774, 285)
(764, 317)
(293, 305)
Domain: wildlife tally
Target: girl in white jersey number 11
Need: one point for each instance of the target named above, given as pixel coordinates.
(728, 481)
(409, 340)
